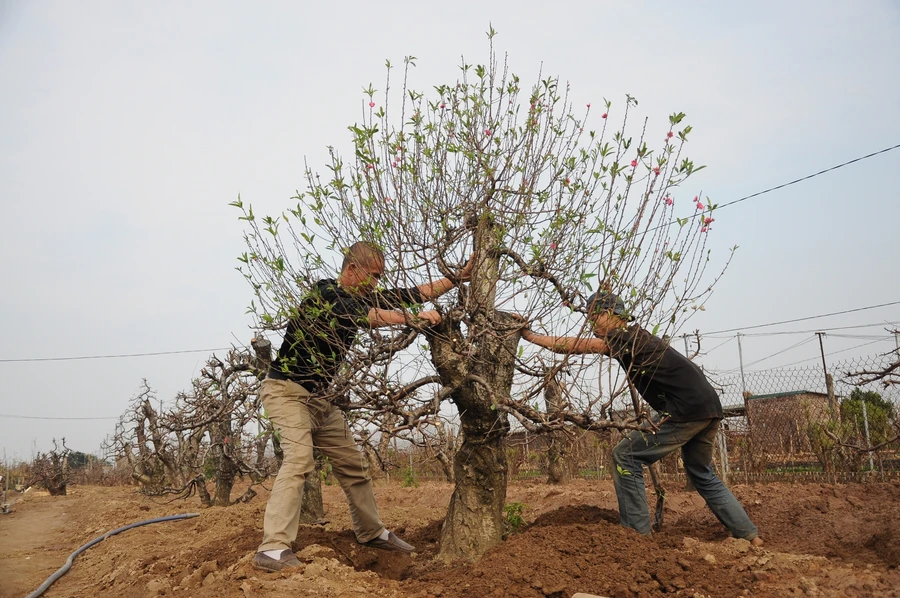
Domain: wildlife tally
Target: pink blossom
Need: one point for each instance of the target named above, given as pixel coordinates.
(703, 230)
(370, 166)
(568, 181)
(589, 105)
(699, 206)
(696, 199)
(487, 132)
(669, 201)
(552, 245)
(634, 163)
(371, 104)
(603, 115)
(386, 198)
(708, 220)
(443, 106)
(669, 135)
(394, 164)
(656, 170)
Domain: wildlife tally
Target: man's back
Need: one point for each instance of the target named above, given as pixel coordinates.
(666, 379)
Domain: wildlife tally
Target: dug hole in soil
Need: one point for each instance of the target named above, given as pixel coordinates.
(821, 540)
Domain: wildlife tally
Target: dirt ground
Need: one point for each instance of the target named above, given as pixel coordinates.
(821, 540)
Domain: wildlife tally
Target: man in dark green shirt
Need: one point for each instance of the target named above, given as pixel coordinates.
(295, 395)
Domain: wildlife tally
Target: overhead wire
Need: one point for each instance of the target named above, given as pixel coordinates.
(788, 184)
(728, 340)
(809, 176)
(11, 416)
(116, 356)
(836, 313)
(808, 331)
(826, 355)
(794, 346)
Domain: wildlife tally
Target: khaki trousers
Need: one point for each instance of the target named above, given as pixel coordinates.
(302, 421)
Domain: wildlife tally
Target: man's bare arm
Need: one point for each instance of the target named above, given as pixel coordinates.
(567, 344)
(389, 317)
(432, 290)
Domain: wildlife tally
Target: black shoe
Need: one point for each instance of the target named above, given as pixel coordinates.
(392, 543)
(267, 563)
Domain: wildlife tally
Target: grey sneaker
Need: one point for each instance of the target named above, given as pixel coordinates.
(267, 563)
(392, 543)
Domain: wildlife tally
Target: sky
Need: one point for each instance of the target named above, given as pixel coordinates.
(126, 128)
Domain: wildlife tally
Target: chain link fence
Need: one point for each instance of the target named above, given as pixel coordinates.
(804, 422)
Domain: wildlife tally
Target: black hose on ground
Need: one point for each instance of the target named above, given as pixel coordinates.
(62, 570)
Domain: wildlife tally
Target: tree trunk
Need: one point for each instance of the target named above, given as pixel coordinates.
(226, 472)
(446, 466)
(384, 446)
(446, 449)
(56, 483)
(312, 510)
(474, 521)
(278, 451)
(200, 484)
(558, 441)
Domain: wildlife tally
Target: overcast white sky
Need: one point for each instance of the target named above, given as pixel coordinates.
(127, 127)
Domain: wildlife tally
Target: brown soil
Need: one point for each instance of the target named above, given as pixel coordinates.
(821, 540)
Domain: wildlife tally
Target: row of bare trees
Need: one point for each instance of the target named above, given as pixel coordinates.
(213, 431)
(218, 432)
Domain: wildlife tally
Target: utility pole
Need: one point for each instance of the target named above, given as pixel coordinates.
(822, 350)
(829, 382)
(741, 359)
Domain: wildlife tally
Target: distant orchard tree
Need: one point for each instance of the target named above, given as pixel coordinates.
(880, 416)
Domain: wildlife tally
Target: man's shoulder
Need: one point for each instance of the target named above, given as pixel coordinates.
(326, 288)
(626, 336)
(328, 291)
(329, 284)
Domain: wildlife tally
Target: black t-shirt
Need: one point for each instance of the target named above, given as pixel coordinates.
(318, 337)
(670, 382)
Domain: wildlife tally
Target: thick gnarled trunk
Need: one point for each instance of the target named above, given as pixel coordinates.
(480, 375)
(474, 521)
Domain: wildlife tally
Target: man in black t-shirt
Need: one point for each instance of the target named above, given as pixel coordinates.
(295, 395)
(688, 406)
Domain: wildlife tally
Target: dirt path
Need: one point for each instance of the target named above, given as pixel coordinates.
(32, 545)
